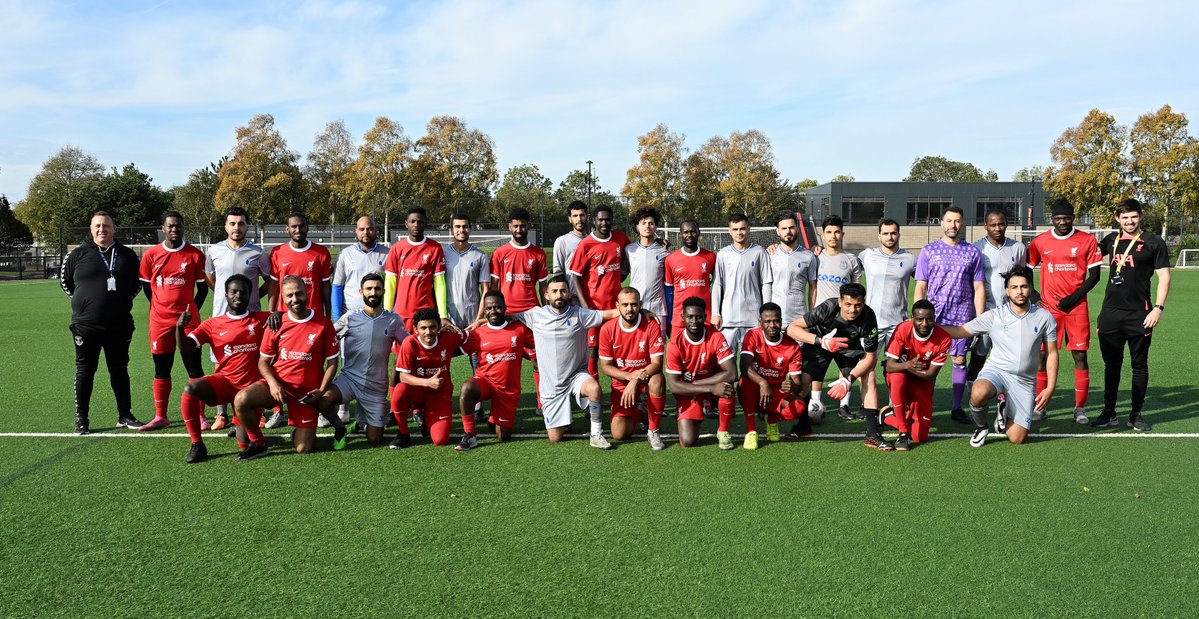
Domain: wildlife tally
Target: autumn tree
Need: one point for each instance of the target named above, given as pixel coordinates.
(1029, 174)
(261, 174)
(1090, 167)
(526, 187)
(704, 173)
(196, 200)
(751, 182)
(454, 169)
(657, 178)
(328, 175)
(50, 203)
(1163, 163)
(935, 169)
(379, 180)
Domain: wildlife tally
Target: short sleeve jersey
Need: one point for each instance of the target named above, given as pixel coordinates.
(834, 271)
(366, 344)
(516, 270)
(414, 266)
(561, 342)
(300, 349)
(862, 332)
(172, 274)
(647, 273)
(564, 250)
(235, 342)
(740, 276)
(500, 351)
(793, 273)
(1064, 261)
(354, 263)
(630, 349)
(224, 260)
(951, 271)
(423, 361)
(997, 261)
(887, 279)
(311, 263)
(1015, 340)
(773, 361)
(464, 272)
(1144, 257)
(906, 345)
(694, 361)
(691, 276)
(597, 265)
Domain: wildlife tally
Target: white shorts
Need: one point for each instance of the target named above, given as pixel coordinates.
(373, 407)
(556, 408)
(734, 336)
(884, 340)
(1021, 394)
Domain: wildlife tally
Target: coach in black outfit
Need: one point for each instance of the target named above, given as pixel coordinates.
(1128, 316)
(101, 277)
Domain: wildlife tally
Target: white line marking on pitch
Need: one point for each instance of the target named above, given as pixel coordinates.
(1125, 435)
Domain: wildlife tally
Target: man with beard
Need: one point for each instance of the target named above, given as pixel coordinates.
(353, 263)
(598, 267)
(689, 272)
(647, 261)
(742, 283)
(566, 245)
(1018, 330)
(795, 270)
(837, 268)
(235, 337)
(500, 345)
(915, 354)
(888, 269)
(1000, 255)
(772, 380)
(630, 353)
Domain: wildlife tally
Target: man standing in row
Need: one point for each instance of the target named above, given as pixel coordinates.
(742, 283)
(795, 271)
(566, 245)
(415, 271)
(888, 269)
(647, 263)
(689, 271)
(1000, 255)
(837, 268)
(467, 274)
(353, 263)
(172, 276)
(598, 267)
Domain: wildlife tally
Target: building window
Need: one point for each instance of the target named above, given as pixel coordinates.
(1008, 204)
(863, 210)
(926, 210)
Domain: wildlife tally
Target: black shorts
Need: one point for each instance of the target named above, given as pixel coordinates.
(816, 361)
(1130, 323)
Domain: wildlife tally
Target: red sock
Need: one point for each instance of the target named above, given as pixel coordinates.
(192, 408)
(726, 407)
(253, 432)
(1042, 382)
(657, 404)
(468, 422)
(401, 422)
(242, 446)
(751, 421)
(162, 393)
(1082, 385)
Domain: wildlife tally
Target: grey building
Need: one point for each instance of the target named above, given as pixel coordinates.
(922, 203)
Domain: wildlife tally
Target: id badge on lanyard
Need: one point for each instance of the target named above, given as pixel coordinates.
(112, 280)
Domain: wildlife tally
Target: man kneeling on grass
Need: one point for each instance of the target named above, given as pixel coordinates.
(1018, 329)
(917, 352)
(425, 382)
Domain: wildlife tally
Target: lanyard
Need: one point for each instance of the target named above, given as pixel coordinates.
(1127, 255)
(110, 265)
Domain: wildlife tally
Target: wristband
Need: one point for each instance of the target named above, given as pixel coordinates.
(1160, 307)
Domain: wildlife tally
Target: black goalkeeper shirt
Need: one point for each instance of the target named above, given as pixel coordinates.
(862, 333)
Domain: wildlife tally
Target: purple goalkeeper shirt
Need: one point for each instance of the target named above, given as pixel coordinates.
(951, 271)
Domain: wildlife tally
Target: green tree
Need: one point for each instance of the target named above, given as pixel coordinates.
(657, 178)
(50, 205)
(1030, 174)
(379, 180)
(131, 196)
(704, 172)
(1163, 163)
(524, 186)
(935, 169)
(14, 235)
(1090, 167)
(843, 178)
(329, 174)
(454, 168)
(751, 183)
(261, 174)
(196, 201)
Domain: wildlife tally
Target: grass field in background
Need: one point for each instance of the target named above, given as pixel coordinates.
(115, 526)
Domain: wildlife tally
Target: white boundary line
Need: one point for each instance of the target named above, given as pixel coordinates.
(148, 435)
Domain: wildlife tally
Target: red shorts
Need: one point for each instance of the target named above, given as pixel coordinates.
(162, 333)
(224, 388)
(781, 404)
(692, 407)
(618, 410)
(1074, 329)
(503, 405)
(299, 415)
(405, 398)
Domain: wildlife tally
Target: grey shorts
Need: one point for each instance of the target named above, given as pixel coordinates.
(1021, 394)
(884, 340)
(557, 407)
(734, 336)
(372, 406)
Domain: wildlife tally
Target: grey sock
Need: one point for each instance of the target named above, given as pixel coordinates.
(979, 416)
(597, 417)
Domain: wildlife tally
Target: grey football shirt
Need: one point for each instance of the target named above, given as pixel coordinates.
(561, 343)
(1015, 340)
(354, 263)
(366, 346)
(793, 273)
(564, 250)
(887, 279)
(743, 280)
(996, 262)
(836, 270)
(464, 272)
(647, 273)
(223, 260)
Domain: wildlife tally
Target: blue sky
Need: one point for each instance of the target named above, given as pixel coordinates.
(859, 87)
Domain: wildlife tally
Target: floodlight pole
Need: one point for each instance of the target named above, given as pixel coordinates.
(588, 184)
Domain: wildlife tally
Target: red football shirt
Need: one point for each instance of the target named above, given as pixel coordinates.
(414, 266)
(691, 276)
(905, 345)
(1064, 263)
(300, 349)
(597, 264)
(695, 361)
(172, 274)
(500, 352)
(517, 269)
(312, 264)
(631, 349)
(235, 341)
(773, 360)
(423, 362)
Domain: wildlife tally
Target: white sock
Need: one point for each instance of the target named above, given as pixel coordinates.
(597, 417)
(816, 393)
(845, 400)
